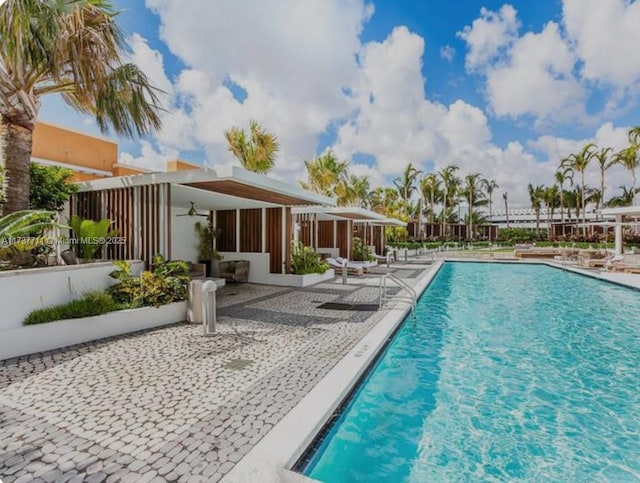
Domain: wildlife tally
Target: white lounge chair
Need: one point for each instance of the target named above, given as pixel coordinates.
(351, 268)
(366, 265)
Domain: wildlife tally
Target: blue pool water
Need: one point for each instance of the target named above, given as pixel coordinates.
(512, 373)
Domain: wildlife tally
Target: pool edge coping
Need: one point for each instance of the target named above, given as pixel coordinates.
(271, 459)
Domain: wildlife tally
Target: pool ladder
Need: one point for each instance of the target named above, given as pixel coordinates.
(410, 299)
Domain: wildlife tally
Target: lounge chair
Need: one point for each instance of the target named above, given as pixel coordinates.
(366, 265)
(351, 268)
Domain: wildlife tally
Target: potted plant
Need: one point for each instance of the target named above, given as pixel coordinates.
(206, 236)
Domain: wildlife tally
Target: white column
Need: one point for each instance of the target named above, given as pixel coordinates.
(349, 237)
(618, 234)
(162, 219)
(264, 230)
(215, 224)
(136, 222)
(237, 231)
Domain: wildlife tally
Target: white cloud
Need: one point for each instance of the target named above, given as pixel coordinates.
(448, 53)
(606, 35)
(489, 35)
(151, 158)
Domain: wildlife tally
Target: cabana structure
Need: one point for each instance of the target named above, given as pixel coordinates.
(153, 215)
(376, 232)
(330, 230)
(627, 215)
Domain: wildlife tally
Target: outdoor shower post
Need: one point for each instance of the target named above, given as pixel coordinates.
(209, 307)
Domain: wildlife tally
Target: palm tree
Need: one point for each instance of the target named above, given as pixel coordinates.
(562, 175)
(256, 151)
(431, 194)
(72, 48)
(406, 184)
(579, 162)
(550, 196)
(450, 182)
(472, 191)
(324, 172)
(489, 187)
(361, 186)
(604, 163)
(535, 196)
(628, 157)
(505, 197)
(624, 199)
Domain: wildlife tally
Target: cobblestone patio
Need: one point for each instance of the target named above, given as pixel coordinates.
(169, 404)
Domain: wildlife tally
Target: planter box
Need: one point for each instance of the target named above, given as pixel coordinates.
(291, 280)
(54, 335)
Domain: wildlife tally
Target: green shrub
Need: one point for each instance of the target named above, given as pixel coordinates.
(168, 282)
(361, 252)
(305, 261)
(90, 304)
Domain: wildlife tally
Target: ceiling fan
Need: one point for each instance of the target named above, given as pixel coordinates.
(193, 212)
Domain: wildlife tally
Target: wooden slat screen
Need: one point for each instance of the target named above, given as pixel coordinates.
(251, 230)
(325, 234)
(306, 229)
(274, 239)
(342, 240)
(378, 239)
(288, 237)
(226, 225)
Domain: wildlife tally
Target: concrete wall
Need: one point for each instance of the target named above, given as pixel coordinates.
(23, 291)
(184, 241)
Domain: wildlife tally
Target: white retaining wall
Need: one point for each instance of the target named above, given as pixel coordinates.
(23, 291)
(53, 335)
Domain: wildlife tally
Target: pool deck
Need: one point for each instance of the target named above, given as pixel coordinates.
(171, 405)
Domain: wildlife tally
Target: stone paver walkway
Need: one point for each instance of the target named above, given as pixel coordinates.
(169, 404)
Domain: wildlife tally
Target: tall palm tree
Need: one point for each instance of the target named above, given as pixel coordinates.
(450, 182)
(505, 197)
(562, 175)
(361, 186)
(535, 197)
(550, 196)
(579, 162)
(255, 150)
(324, 172)
(489, 187)
(431, 194)
(472, 190)
(604, 163)
(70, 47)
(406, 184)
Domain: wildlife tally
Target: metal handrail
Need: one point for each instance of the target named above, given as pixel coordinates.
(412, 298)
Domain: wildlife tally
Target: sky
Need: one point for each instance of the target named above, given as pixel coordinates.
(504, 89)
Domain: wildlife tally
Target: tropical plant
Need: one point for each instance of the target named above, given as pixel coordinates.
(26, 223)
(535, 197)
(361, 186)
(167, 283)
(604, 163)
(255, 150)
(628, 158)
(206, 235)
(305, 261)
(90, 236)
(562, 175)
(50, 187)
(362, 252)
(405, 185)
(578, 162)
(450, 182)
(324, 172)
(70, 47)
(623, 199)
(550, 196)
(431, 194)
(472, 191)
(489, 187)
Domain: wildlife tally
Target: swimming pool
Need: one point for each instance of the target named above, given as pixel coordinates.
(512, 373)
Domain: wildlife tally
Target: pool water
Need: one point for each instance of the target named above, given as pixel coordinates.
(512, 373)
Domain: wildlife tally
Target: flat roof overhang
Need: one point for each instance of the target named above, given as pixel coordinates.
(232, 181)
(355, 213)
(624, 210)
(389, 222)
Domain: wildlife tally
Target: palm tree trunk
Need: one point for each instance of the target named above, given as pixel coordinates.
(490, 218)
(15, 157)
(470, 233)
(584, 217)
(601, 203)
(444, 215)
(633, 185)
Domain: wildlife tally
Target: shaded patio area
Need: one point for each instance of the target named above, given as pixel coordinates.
(171, 405)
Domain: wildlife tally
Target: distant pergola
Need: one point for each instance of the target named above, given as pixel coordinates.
(619, 214)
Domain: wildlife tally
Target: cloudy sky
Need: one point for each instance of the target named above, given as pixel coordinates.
(505, 89)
